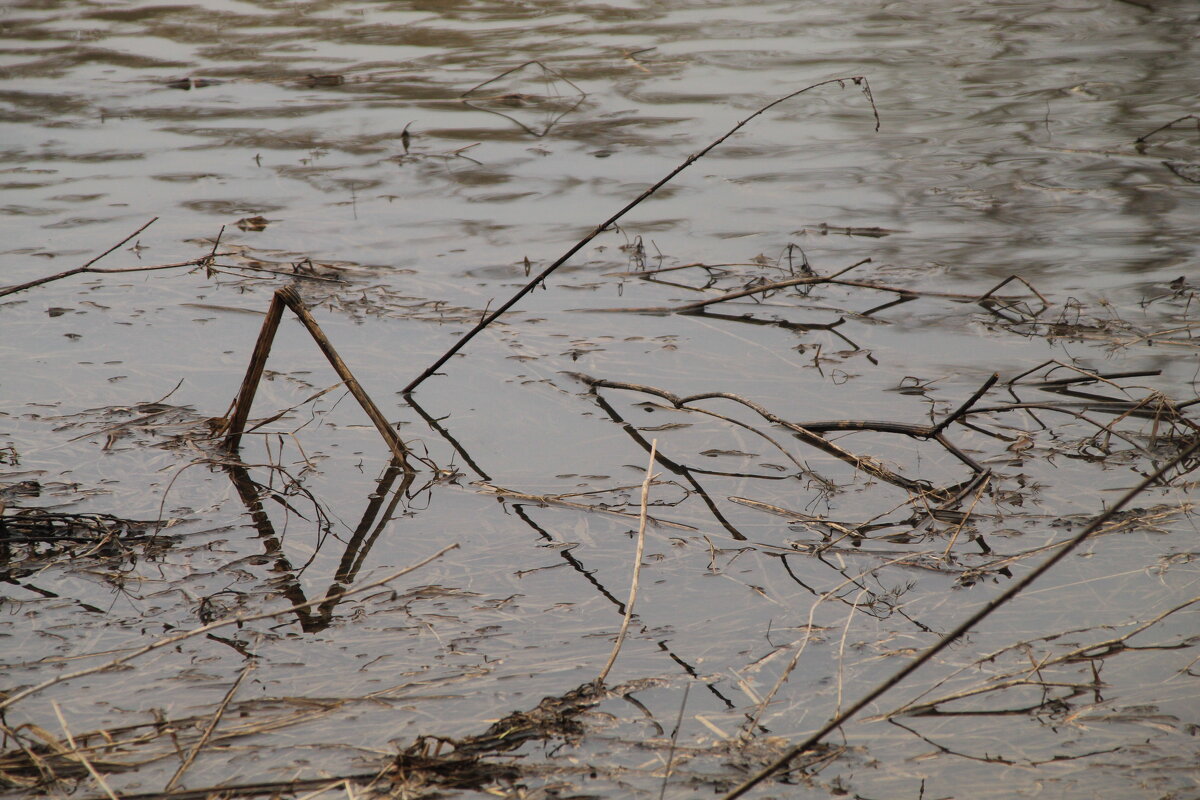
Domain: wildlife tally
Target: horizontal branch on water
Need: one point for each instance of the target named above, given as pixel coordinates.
(809, 433)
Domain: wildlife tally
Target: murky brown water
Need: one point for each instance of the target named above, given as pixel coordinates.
(1006, 147)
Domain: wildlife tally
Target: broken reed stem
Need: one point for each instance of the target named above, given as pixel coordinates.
(857, 80)
(16, 697)
(235, 423)
(974, 619)
(258, 360)
(637, 565)
(208, 731)
(398, 448)
(78, 753)
(965, 407)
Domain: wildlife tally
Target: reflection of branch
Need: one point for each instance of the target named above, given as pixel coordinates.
(356, 551)
(517, 99)
(679, 469)
(565, 552)
(352, 558)
(203, 629)
(445, 434)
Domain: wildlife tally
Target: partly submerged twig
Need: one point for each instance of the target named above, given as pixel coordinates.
(637, 566)
(1142, 139)
(903, 294)
(662, 791)
(974, 619)
(857, 80)
(561, 501)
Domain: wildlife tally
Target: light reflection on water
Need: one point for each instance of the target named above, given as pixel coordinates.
(1007, 147)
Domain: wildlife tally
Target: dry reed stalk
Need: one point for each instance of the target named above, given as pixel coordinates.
(236, 423)
(637, 565)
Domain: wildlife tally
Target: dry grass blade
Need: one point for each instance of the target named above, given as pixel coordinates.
(637, 566)
(79, 753)
(208, 731)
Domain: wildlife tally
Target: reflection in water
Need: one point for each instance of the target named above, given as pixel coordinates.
(432, 156)
(374, 519)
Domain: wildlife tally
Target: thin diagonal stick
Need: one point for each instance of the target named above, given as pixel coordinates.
(208, 731)
(662, 791)
(637, 565)
(970, 622)
(857, 80)
(79, 753)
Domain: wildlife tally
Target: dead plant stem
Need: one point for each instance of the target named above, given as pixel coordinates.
(637, 565)
(288, 296)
